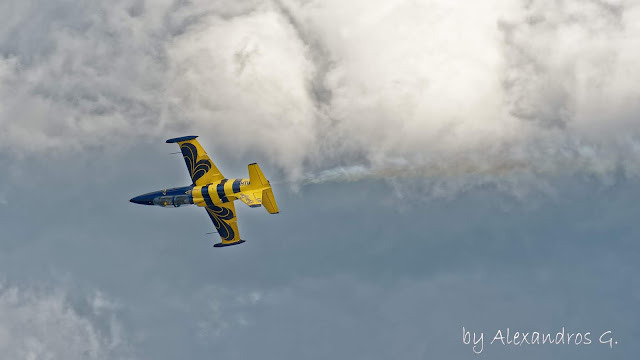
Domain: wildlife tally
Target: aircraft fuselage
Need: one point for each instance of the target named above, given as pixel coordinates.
(224, 191)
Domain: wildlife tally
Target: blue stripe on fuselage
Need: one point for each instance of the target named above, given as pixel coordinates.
(206, 196)
(221, 194)
(236, 185)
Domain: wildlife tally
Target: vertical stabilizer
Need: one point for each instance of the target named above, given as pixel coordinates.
(256, 177)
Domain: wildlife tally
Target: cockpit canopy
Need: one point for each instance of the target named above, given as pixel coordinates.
(174, 201)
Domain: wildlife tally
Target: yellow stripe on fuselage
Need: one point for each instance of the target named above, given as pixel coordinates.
(228, 189)
(244, 184)
(196, 193)
(213, 193)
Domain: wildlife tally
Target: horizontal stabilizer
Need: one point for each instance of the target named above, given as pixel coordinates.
(251, 198)
(269, 201)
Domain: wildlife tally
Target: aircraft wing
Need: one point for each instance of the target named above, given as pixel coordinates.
(201, 169)
(225, 221)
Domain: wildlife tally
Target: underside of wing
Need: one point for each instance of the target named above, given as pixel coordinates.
(225, 221)
(201, 169)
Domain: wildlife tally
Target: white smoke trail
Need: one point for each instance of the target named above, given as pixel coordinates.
(400, 171)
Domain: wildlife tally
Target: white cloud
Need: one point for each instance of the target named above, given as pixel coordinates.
(404, 89)
(247, 78)
(39, 324)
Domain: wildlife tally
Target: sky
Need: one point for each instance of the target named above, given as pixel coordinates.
(439, 166)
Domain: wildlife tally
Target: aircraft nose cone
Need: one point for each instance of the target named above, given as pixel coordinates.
(142, 200)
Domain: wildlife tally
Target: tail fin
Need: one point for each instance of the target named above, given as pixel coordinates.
(256, 177)
(260, 183)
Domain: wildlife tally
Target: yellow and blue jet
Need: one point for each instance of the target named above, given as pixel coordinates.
(211, 190)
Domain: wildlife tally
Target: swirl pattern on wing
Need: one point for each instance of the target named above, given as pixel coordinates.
(218, 215)
(196, 169)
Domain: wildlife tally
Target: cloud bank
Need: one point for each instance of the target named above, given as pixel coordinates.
(36, 324)
(329, 91)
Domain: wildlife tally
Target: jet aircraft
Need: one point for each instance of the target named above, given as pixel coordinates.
(211, 190)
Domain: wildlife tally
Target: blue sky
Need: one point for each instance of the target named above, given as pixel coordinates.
(437, 166)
